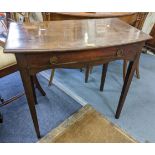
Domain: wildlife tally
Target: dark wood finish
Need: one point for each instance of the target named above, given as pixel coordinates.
(87, 73)
(51, 77)
(36, 82)
(30, 94)
(137, 70)
(11, 69)
(75, 44)
(141, 16)
(132, 18)
(104, 71)
(139, 22)
(33, 89)
(124, 68)
(127, 82)
(125, 63)
(71, 35)
(5, 102)
(89, 70)
(135, 19)
(129, 17)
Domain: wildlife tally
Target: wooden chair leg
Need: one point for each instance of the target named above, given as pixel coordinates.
(1, 99)
(137, 70)
(36, 82)
(124, 68)
(87, 73)
(104, 71)
(5, 102)
(91, 69)
(51, 77)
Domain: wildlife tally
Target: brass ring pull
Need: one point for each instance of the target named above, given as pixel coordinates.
(119, 52)
(53, 60)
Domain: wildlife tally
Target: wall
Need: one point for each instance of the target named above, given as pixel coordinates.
(149, 22)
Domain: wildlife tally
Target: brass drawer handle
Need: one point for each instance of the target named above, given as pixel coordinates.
(53, 60)
(119, 52)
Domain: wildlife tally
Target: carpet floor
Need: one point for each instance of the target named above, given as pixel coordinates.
(52, 110)
(137, 117)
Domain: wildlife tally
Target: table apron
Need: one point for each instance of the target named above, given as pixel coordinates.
(77, 59)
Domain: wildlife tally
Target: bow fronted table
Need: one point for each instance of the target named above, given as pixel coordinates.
(73, 43)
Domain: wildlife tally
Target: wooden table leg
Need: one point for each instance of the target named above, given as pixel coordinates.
(127, 82)
(104, 71)
(124, 68)
(33, 88)
(87, 73)
(28, 86)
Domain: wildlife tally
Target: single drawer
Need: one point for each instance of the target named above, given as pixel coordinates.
(123, 52)
(60, 59)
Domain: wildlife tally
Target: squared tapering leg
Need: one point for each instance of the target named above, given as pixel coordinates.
(29, 90)
(137, 70)
(104, 72)
(126, 85)
(125, 62)
(33, 88)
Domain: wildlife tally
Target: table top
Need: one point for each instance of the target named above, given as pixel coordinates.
(96, 14)
(71, 35)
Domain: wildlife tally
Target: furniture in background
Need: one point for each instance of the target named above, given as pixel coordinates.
(19, 16)
(141, 16)
(8, 65)
(151, 43)
(132, 18)
(128, 17)
(46, 17)
(36, 53)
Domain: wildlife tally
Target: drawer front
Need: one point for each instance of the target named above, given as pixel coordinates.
(90, 56)
(62, 59)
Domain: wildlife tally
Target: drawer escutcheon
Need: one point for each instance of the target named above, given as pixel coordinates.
(53, 60)
(119, 52)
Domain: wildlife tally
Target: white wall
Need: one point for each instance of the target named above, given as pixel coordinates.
(149, 22)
